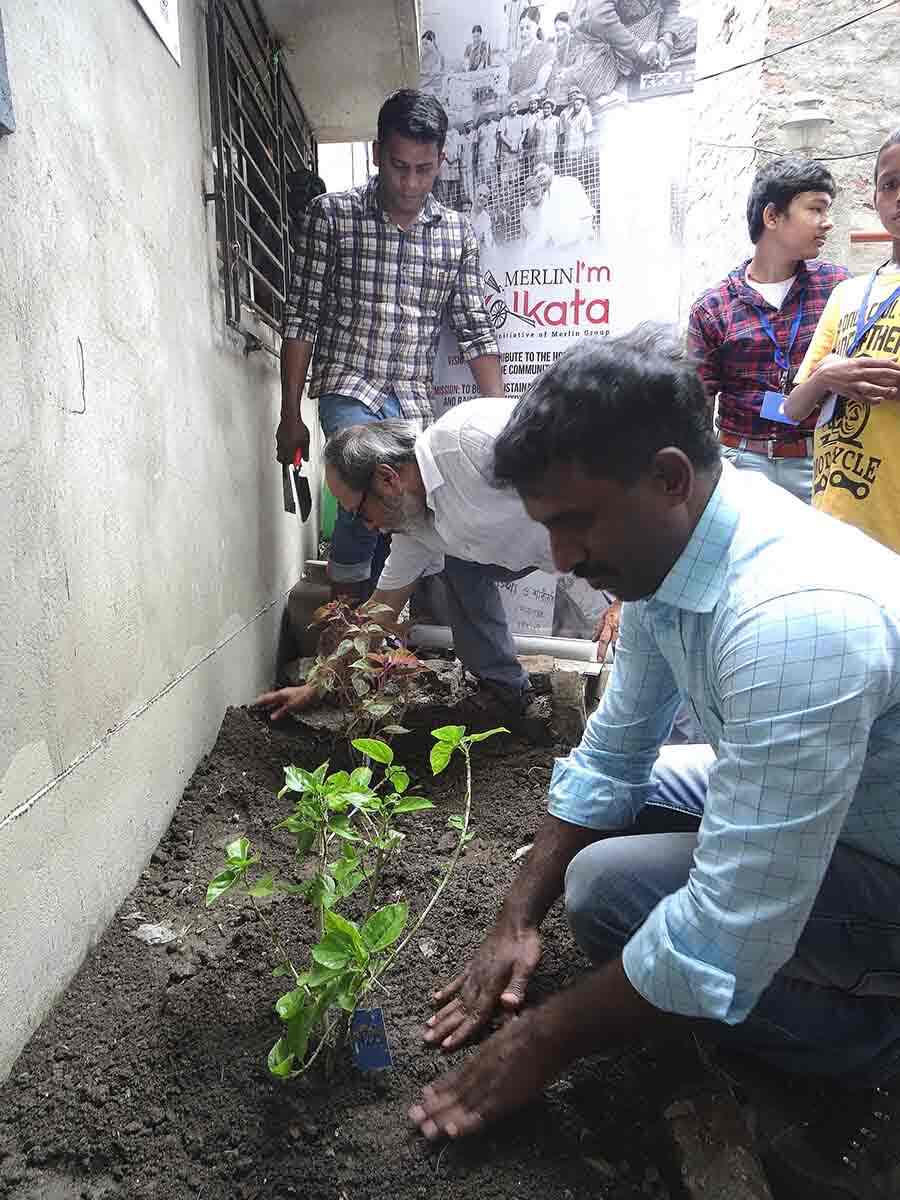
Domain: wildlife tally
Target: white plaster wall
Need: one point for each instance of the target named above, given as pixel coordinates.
(141, 522)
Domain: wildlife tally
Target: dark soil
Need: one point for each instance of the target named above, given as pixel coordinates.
(149, 1078)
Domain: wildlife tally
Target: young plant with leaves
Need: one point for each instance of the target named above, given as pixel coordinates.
(369, 681)
(344, 813)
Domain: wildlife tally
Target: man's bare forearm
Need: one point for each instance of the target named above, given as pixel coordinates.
(488, 374)
(295, 357)
(541, 880)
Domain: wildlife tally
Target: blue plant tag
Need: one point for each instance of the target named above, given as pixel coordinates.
(773, 408)
(368, 1036)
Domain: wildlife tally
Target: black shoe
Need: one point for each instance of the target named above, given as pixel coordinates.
(852, 1153)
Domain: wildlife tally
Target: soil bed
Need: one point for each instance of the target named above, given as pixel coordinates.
(149, 1078)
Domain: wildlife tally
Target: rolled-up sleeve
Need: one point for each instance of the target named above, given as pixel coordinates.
(605, 781)
(466, 309)
(312, 270)
(801, 681)
(408, 561)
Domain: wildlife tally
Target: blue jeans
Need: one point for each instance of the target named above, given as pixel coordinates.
(481, 636)
(357, 553)
(834, 1008)
(795, 475)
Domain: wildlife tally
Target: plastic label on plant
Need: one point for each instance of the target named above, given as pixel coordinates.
(368, 1038)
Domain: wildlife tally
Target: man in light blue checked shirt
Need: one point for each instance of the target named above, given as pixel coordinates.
(751, 885)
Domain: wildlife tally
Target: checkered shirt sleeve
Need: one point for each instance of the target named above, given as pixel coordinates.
(799, 681)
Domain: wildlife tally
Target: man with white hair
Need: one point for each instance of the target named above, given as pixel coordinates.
(434, 492)
(568, 213)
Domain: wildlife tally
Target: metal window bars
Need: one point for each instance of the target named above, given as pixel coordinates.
(260, 137)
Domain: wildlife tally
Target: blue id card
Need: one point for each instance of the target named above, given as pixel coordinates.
(368, 1037)
(773, 408)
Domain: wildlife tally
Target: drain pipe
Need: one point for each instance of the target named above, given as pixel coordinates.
(440, 637)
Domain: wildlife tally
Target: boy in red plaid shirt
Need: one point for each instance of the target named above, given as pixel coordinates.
(750, 332)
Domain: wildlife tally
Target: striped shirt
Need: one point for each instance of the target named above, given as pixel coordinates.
(373, 298)
(781, 626)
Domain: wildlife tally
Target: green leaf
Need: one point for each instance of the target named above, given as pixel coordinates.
(348, 995)
(222, 883)
(318, 775)
(399, 779)
(344, 647)
(264, 886)
(279, 971)
(292, 889)
(449, 733)
(371, 748)
(360, 686)
(413, 804)
(342, 828)
(441, 753)
(488, 733)
(340, 926)
(319, 975)
(333, 951)
(339, 781)
(299, 1027)
(305, 839)
(394, 730)
(457, 821)
(384, 926)
(350, 883)
(296, 780)
(281, 1059)
(288, 1005)
(238, 851)
(361, 645)
(321, 891)
(361, 777)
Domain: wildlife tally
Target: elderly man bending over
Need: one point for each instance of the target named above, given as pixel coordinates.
(435, 492)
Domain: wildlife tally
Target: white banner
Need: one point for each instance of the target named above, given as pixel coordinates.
(163, 16)
(570, 159)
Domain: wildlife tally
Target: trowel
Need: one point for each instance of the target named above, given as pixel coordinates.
(297, 496)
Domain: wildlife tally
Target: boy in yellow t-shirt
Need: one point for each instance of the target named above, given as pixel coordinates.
(852, 369)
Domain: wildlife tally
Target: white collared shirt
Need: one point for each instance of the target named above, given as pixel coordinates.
(469, 516)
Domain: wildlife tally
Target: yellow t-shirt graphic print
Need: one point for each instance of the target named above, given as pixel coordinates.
(857, 448)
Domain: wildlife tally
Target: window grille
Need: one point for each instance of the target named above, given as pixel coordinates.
(262, 145)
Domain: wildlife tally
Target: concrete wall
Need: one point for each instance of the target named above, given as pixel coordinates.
(854, 70)
(727, 115)
(141, 526)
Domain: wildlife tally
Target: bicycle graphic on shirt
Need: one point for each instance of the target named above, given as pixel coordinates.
(845, 428)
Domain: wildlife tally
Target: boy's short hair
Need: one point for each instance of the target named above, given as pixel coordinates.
(778, 181)
(892, 139)
(414, 115)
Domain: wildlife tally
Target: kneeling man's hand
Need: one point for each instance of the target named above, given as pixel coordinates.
(498, 974)
(285, 701)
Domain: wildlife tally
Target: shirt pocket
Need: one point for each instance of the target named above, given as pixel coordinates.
(428, 275)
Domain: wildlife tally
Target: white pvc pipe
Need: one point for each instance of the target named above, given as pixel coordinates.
(439, 637)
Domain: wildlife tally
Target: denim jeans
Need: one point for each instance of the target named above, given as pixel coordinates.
(357, 553)
(481, 637)
(834, 1008)
(795, 475)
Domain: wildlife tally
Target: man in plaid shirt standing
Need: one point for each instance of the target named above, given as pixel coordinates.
(750, 332)
(377, 269)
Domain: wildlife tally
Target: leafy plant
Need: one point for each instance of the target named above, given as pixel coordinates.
(347, 822)
(370, 683)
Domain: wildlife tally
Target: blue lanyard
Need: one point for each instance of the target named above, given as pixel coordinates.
(782, 359)
(862, 324)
